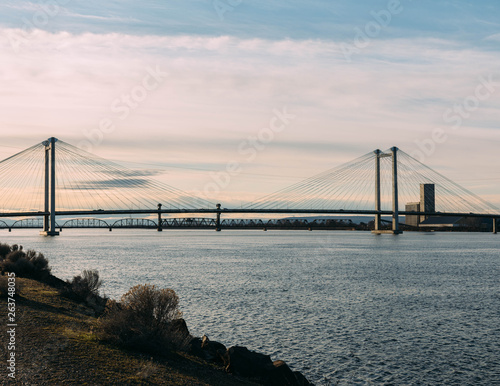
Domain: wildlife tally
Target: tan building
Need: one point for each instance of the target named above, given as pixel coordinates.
(412, 220)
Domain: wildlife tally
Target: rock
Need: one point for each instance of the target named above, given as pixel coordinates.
(207, 349)
(281, 375)
(301, 380)
(194, 347)
(213, 351)
(179, 326)
(241, 361)
(178, 333)
(250, 364)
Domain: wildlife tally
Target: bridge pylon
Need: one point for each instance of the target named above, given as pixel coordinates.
(159, 228)
(395, 202)
(378, 223)
(49, 219)
(218, 227)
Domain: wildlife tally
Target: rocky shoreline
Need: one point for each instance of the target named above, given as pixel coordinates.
(241, 361)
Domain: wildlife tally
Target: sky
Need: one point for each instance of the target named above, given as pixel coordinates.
(235, 99)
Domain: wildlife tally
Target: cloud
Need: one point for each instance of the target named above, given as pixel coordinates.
(102, 18)
(494, 37)
(98, 185)
(221, 90)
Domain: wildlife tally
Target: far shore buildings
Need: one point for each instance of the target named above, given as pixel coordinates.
(427, 204)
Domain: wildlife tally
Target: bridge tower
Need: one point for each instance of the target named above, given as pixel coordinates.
(218, 227)
(378, 154)
(49, 220)
(159, 228)
(395, 203)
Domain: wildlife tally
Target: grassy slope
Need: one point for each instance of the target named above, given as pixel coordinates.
(55, 345)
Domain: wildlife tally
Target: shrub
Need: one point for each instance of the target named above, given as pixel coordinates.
(142, 320)
(5, 249)
(85, 288)
(85, 285)
(25, 264)
(155, 308)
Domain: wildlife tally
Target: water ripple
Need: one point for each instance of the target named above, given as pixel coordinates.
(345, 308)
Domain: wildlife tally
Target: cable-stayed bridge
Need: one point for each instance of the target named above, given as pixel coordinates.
(53, 179)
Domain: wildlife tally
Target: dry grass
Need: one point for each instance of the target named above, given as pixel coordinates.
(4, 286)
(56, 345)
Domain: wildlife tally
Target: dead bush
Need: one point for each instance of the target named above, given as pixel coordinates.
(85, 288)
(142, 320)
(85, 285)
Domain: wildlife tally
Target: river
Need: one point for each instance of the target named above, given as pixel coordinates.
(342, 307)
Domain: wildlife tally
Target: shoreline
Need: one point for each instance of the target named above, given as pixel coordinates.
(50, 315)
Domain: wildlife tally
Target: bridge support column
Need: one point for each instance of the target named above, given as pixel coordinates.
(46, 217)
(494, 226)
(159, 229)
(395, 203)
(377, 189)
(218, 227)
(50, 146)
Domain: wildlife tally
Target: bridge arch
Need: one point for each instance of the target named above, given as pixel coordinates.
(34, 222)
(85, 223)
(134, 223)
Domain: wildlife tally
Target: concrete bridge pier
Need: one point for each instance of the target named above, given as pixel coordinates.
(218, 227)
(159, 229)
(494, 226)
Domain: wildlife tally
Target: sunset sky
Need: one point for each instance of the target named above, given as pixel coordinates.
(270, 92)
